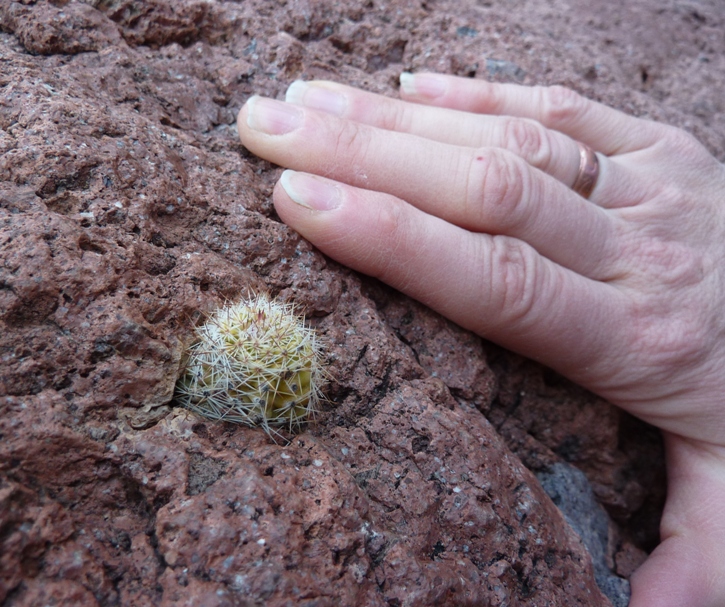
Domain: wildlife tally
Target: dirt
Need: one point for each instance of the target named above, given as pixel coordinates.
(129, 210)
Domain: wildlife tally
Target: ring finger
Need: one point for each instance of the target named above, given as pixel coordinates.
(486, 190)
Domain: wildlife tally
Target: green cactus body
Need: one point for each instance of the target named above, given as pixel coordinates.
(254, 363)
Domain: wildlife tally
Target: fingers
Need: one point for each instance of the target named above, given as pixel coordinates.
(688, 567)
(496, 286)
(542, 148)
(484, 190)
(548, 150)
(556, 107)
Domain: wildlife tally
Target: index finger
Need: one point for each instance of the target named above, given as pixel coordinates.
(498, 286)
(556, 107)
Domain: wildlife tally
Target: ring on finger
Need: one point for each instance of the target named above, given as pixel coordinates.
(588, 173)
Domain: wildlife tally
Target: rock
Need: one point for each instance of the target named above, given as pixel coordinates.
(505, 69)
(129, 210)
(58, 30)
(570, 490)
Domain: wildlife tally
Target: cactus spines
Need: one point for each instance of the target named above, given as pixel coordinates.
(254, 363)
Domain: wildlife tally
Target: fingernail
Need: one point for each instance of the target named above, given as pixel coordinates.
(422, 85)
(272, 117)
(310, 191)
(316, 97)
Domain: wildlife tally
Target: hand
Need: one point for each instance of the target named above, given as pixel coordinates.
(460, 196)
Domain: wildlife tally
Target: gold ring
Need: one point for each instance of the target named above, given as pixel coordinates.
(588, 173)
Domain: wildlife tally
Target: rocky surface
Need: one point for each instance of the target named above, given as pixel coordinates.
(570, 490)
(128, 209)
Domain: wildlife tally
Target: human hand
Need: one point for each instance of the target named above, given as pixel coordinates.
(460, 196)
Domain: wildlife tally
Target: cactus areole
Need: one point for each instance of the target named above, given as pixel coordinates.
(255, 363)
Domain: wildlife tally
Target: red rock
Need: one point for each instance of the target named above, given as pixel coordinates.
(128, 209)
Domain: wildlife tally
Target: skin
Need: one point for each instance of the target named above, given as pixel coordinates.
(459, 195)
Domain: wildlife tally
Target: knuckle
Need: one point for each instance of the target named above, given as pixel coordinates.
(351, 144)
(494, 190)
(496, 97)
(682, 142)
(561, 104)
(668, 318)
(685, 162)
(391, 225)
(395, 117)
(390, 221)
(668, 340)
(528, 139)
(676, 266)
(513, 275)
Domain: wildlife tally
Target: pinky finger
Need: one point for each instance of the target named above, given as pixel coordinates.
(556, 107)
(497, 286)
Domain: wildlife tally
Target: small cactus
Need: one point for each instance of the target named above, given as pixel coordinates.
(254, 363)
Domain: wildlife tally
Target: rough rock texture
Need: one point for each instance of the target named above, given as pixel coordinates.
(570, 490)
(128, 209)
